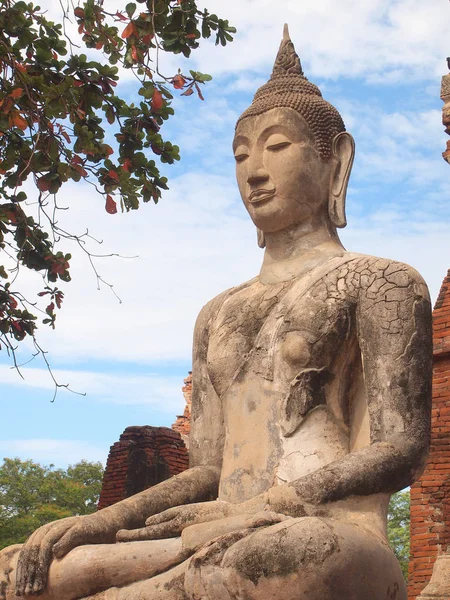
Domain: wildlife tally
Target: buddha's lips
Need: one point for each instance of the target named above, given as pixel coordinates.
(258, 195)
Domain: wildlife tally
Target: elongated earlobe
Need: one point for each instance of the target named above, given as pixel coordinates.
(261, 238)
(343, 155)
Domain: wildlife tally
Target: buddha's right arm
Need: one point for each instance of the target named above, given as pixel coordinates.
(197, 484)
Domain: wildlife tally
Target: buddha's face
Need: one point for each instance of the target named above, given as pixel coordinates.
(282, 178)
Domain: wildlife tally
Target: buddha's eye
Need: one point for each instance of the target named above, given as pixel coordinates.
(241, 154)
(275, 146)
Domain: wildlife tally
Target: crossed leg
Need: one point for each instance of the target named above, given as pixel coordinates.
(301, 559)
(96, 568)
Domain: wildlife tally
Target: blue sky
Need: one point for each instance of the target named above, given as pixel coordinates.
(380, 63)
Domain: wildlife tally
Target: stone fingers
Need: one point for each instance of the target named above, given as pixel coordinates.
(45, 556)
(154, 532)
(166, 515)
(28, 561)
(266, 518)
(75, 536)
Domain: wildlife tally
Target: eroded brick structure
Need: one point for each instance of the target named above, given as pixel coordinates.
(143, 456)
(430, 496)
(183, 422)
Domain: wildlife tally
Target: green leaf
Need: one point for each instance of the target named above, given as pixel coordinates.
(130, 8)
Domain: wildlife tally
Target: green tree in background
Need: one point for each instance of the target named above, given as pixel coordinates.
(32, 495)
(398, 528)
(58, 109)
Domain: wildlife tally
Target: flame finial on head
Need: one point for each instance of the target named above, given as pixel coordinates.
(287, 61)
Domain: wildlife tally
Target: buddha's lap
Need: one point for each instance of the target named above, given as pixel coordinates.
(310, 557)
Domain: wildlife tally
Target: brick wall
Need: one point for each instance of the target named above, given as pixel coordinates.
(430, 496)
(143, 456)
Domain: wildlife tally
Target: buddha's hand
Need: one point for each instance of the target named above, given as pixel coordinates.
(55, 540)
(171, 522)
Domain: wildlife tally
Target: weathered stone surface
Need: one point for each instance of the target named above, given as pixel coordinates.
(310, 401)
(439, 586)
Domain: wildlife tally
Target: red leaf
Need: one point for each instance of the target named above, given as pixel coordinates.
(200, 95)
(58, 299)
(12, 302)
(79, 169)
(134, 53)
(21, 67)
(108, 150)
(17, 326)
(66, 137)
(76, 160)
(16, 93)
(188, 92)
(130, 29)
(178, 82)
(43, 293)
(110, 206)
(16, 120)
(147, 38)
(157, 100)
(59, 267)
(50, 308)
(98, 45)
(121, 16)
(127, 165)
(81, 28)
(191, 36)
(79, 12)
(43, 184)
(113, 175)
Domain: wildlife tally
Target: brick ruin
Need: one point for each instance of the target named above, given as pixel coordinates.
(143, 456)
(183, 422)
(430, 496)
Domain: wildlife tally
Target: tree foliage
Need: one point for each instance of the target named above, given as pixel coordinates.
(58, 107)
(32, 495)
(398, 528)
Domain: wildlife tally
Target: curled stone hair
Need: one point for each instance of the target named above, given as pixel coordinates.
(289, 88)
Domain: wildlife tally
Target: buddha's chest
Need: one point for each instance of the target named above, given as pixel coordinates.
(259, 330)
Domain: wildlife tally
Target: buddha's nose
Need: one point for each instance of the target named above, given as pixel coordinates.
(257, 175)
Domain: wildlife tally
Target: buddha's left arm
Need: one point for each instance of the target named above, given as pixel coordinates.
(395, 339)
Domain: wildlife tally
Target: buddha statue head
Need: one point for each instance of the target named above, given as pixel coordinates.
(293, 154)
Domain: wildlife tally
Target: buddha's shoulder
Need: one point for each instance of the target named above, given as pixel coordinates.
(211, 308)
(375, 274)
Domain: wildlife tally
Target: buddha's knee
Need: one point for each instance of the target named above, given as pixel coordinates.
(8, 559)
(301, 559)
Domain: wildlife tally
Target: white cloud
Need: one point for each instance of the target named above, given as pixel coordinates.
(53, 451)
(155, 391)
(382, 40)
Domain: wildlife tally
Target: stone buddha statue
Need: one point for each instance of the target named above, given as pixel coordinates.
(310, 407)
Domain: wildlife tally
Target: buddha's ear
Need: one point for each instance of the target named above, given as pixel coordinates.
(343, 155)
(261, 238)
